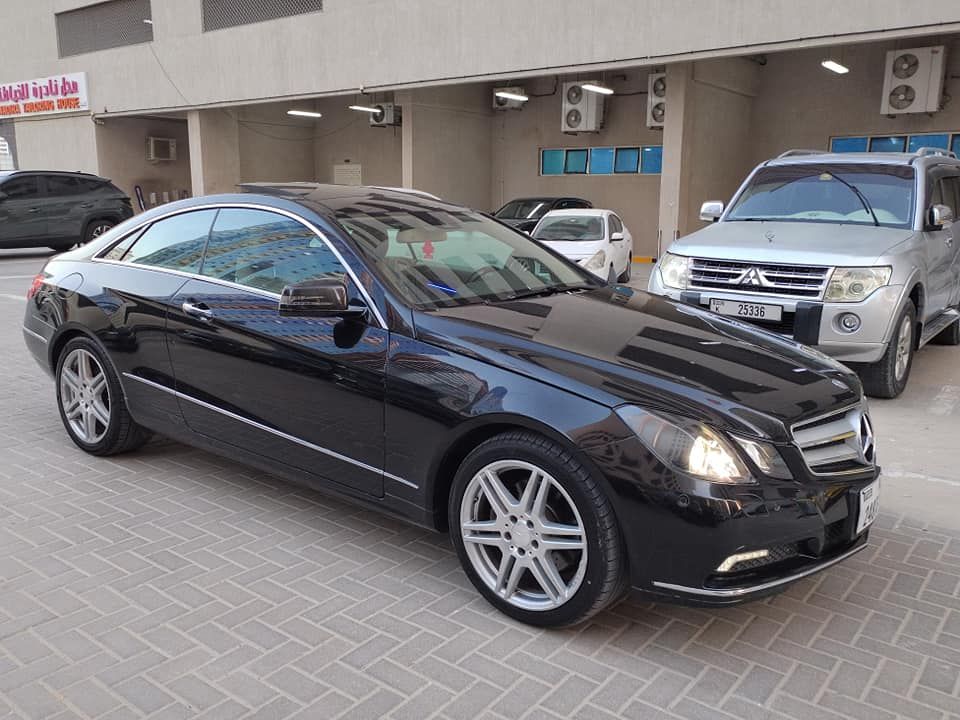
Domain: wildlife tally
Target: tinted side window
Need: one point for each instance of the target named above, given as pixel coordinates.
(266, 250)
(615, 224)
(120, 249)
(61, 185)
(21, 187)
(86, 186)
(175, 242)
(951, 194)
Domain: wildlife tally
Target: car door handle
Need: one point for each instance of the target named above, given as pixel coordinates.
(197, 310)
(86, 205)
(33, 210)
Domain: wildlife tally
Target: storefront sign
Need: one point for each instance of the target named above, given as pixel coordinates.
(44, 96)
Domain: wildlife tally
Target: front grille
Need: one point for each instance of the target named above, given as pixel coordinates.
(838, 443)
(784, 326)
(758, 278)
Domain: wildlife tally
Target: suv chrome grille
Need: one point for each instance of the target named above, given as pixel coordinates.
(839, 443)
(762, 278)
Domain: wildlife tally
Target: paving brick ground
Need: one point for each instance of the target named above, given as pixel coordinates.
(171, 583)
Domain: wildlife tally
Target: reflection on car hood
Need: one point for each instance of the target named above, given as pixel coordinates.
(801, 243)
(616, 345)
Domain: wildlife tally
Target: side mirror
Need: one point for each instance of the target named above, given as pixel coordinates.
(326, 297)
(614, 237)
(940, 216)
(711, 211)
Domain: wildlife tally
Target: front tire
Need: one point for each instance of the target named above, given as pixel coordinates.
(91, 401)
(534, 531)
(625, 276)
(888, 378)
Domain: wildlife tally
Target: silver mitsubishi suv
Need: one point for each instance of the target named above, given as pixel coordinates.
(854, 254)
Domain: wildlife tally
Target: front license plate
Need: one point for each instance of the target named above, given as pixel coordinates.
(869, 506)
(747, 310)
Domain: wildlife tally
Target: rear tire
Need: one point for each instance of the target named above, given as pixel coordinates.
(95, 229)
(515, 496)
(625, 275)
(888, 377)
(91, 401)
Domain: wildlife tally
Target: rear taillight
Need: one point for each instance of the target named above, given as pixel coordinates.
(35, 285)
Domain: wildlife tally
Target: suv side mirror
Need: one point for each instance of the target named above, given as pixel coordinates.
(326, 297)
(940, 216)
(614, 237)
(711, 211)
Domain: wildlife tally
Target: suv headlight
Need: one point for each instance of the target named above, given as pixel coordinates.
(856, 283)
(597, 262)
(675, 271)
(687, 446)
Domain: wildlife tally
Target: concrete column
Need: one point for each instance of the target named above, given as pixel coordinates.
(214, 151)
(405, 100)
(674, 174)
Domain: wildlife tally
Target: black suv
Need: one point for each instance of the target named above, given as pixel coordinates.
(57, 209)
(524, 213)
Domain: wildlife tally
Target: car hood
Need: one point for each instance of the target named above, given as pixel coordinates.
(574, 249)
(616, 345)
(800, 243)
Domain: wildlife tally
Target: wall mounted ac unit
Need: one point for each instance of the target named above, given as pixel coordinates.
(913, 80)
(656, 99)
(387, 115)
(582, 109)
(161, 149)
(507, 103)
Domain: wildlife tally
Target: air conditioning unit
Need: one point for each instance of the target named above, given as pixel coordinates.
(582, 109)
(387, 115)
(656, 99)
(508, 103)
(161, 149)
(913, 80)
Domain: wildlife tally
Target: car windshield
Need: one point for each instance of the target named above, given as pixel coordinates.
(566, 227)
(442, 257)
(807, 192)
(530, 209)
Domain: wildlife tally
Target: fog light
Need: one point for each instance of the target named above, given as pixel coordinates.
(849, 322)
(728, 564)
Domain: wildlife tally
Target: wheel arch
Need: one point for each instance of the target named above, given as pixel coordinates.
(919, 297)
(106, 215)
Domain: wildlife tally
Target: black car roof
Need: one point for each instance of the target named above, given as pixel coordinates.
(329, 199)
(76, 173)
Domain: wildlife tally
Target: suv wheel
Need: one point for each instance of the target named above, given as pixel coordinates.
(888, 378)
(96, 229)
(535, 533)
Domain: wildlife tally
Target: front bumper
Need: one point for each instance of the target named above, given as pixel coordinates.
(813, 322)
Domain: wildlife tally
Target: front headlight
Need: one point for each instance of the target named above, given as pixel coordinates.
(597, 262)
(766, 457)
(687, 446)
(856, 284)
(675, 271)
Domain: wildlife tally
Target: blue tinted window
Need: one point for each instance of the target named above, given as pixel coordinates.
(601, 161)
(576, 162)
(888, 143)
(955, 145)
(651, 161)
(627, 161)
(551, 162)
(938, 140)
(848, 144)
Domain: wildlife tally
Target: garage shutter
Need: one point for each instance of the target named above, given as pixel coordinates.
(219, 14)
(105, 25)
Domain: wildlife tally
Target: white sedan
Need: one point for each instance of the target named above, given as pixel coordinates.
(595, 239)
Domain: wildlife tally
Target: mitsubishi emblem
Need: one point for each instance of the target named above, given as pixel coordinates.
(751, 277)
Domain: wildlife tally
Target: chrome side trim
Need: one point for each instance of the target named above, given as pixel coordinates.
(740, 592)
(31, 333)
(248, 206)
(272, 431)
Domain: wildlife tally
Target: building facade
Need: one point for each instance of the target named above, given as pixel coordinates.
(740, 81)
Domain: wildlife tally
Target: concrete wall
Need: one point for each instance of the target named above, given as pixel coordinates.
(429, 41)
(518, 136)
(345, 135)
(121, 154)
(215, 151)
(57, 144)
(275, 146)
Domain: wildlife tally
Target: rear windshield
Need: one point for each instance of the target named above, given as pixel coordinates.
(566, 227)
(829, 193)
(532, 209)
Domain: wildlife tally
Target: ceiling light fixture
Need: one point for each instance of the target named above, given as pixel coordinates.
(304, 113)
(511, 96)
(365, 108)
(602, 89)
(836, 67)
(148, 22)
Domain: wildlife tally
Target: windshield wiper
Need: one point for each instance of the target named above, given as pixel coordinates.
(544, 291)
(856, 191)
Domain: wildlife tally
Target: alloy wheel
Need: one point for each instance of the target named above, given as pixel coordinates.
(85, 396)
(904, 346)
(99, 229)
(523, 535)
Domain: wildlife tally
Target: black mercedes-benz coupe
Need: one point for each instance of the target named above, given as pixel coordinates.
(575, 438)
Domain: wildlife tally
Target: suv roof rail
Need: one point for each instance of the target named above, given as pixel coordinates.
(924, 151)
(800, 151)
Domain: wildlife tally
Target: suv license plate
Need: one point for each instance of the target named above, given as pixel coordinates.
(747, 310)
(869, 506)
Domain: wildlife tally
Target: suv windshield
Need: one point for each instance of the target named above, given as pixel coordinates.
(530, 209)
(436, 257)
(565, 227)
(808, 192)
